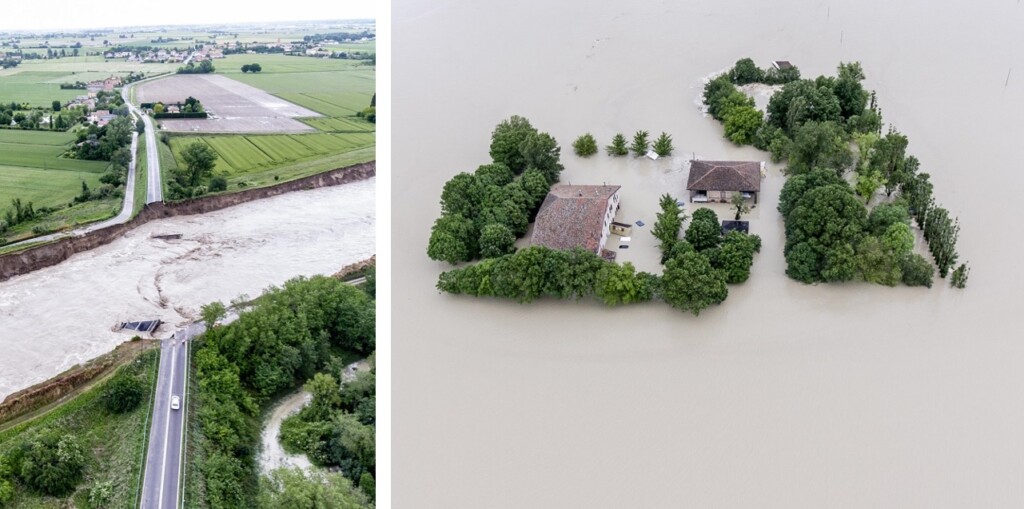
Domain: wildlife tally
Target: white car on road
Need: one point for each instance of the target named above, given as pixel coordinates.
(175, 403)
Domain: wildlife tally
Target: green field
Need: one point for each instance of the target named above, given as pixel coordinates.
(37, 82)
(256, 159)
(336, 88)
(113, 444)
(31, 168)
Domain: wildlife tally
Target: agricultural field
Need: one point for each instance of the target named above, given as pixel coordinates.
(332, 87)
(31, 168)
(255, 160)
(37, 82)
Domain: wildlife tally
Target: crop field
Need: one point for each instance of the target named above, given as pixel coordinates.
(335, 88)
(240, 155)
(31, 168)
(37, 82)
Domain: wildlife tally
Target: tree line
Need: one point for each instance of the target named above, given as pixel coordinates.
(286, 338)
(811, 124)
(697, 270)
(482, 213)
(586, 145)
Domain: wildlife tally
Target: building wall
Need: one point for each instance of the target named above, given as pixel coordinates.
(609, 216)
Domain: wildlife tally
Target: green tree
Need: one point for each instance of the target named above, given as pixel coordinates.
(848, 89)
(326, 396)
(506, 140)
(941, 232)
(663, 145)
(803, 101)
(885, 215)
(669, 222)
(889, 159)
(704, 232)
(199, 161)
(123, 393)
(736, 256)
(959, 277)
(740, 204)
(462, 194)
(618, 147)
(212, 313)
(620, 284)
(368, 485)
(453, 239)
(742, 123)
(291, 488)
(640, 143)
(819, 145)
(917, 271)
(541, 151)
(691, 284)
(867, 184)
(496, 240)
(745, 71)
(52, 464)
(585, 145)
(829, 221)
(490, 175)
(55, 106)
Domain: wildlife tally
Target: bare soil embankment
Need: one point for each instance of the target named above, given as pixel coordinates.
(23, 262)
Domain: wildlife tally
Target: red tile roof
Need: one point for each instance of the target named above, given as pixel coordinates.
(572, 216)
(724, 176)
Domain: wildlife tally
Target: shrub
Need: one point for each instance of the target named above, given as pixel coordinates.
(959, 277)
(640, 143)
(585, 146)
(663, 145)
(123, 393)
(52, 464)
(218, 184)
(917, 271)
(618, 146)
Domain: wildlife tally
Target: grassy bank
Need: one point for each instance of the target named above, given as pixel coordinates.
(141, 177)
(114, 444)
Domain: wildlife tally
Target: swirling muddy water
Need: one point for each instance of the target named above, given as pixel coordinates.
(56, 317)
(786, 395)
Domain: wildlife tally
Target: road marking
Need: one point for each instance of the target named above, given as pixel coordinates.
(167, 425)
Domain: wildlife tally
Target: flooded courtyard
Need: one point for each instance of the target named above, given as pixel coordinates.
(849, 395)
(59, 316)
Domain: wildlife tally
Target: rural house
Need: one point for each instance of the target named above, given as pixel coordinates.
(719, 180)
(576, 216)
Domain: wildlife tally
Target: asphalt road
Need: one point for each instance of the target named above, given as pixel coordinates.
(161, 483)
(154, 189)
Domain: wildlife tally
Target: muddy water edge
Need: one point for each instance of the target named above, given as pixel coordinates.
(59, 316)
(787, 395)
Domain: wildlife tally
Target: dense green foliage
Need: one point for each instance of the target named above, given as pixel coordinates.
(123, 393)
(291, 488)
(199, 159)
(585, 145)
(496, 194)
(337, 428)
(959, 277)
(283, 340)
(669, 222)
(50, 463)
(618, 146)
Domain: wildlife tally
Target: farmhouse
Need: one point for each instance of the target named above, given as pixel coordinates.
(719, 180)
(576, 216)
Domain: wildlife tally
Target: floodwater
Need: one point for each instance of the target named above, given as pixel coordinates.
(59, 316)
(787, 395)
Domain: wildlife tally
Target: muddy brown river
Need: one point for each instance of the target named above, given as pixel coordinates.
(787, 395)
(59, 316)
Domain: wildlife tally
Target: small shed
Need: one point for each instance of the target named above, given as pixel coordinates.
(621, 229)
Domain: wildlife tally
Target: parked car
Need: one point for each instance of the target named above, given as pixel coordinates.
(175, 403)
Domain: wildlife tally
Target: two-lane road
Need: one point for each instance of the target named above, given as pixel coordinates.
(154, 188)
(162, 479)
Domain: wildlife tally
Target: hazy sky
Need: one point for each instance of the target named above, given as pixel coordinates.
(67, 14)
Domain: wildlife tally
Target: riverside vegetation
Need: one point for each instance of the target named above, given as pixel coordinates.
(698, 267)
(826, 129)
(290, 335)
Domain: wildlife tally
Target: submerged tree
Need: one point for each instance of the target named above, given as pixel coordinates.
(585, 145)
(663, 145)
(640, 143)
(618, 147)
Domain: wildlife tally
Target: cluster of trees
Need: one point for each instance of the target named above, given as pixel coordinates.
(188, 180)
(640, 146)
(291, 487)
(8, 63)
(482, 213)
(338, 36)
(283, 340)
(697, 268)
(745, 71)
(699, 265)
(17, 214)
(204, 67)
(337, 428)
(830, 236)
(252, 68)
(50, 463)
